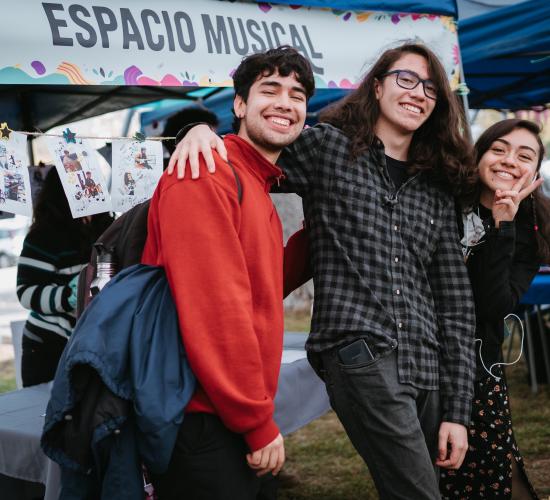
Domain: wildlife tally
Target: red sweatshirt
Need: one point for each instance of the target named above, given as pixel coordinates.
(224, 264)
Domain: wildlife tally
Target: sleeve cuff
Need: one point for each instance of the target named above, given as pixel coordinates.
(506, 229)
(66, 299)
(261, 436)
(183, 131)
(457, 410)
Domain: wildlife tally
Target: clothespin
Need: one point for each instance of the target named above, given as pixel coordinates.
(462, 89)
(5, 131)
(69, 136)
(138, 136)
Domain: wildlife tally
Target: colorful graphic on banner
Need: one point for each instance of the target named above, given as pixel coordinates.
(15, 184)
(81, 176)
(137, 167)
(174, 43)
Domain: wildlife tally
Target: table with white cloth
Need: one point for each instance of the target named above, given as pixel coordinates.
(301, 398)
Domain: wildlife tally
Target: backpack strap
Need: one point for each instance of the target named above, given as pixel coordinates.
(238, 182)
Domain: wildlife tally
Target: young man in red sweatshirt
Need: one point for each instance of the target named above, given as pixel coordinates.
(223, 259)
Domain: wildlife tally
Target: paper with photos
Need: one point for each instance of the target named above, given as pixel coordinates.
(81, 176)
(137, 167)
(15, 184)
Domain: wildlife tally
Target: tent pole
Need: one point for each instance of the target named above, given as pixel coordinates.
(464, 95)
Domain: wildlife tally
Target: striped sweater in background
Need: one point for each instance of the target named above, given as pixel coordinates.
(48, 262)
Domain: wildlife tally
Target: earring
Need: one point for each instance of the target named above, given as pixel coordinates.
(535, 220)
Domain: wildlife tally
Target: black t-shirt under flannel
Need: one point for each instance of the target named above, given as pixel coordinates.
(387, 265)
(398, 171)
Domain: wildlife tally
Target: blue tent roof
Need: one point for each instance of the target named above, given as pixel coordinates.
(442, 7)
(506, 56)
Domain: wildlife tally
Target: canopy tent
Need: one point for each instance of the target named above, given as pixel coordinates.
(471, 8)
(506, 56)
(440, 7)
(481, 75)
(40, 107)
(32, 104)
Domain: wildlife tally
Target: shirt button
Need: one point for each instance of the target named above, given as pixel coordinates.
(400, 325)
(396, 259)
(395, 228)
(431, 221)
(393, 343)
(398, 292)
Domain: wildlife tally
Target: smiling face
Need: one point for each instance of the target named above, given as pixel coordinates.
(274, 113)
(403, 111)
(508, 158)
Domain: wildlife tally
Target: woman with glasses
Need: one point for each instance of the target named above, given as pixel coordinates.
(506, 236)
(410, 80)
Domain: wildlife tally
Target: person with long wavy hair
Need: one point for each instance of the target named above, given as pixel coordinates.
(506, 236)
(438, 145)
(393, 315)
(54, 251)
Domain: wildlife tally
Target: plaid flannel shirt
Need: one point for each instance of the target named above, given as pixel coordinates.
(387, 265)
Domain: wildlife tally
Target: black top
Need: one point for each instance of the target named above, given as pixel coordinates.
(398, 171)
(501, 270)
(387, 265)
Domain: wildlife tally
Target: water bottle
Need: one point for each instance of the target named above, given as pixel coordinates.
(106, 268)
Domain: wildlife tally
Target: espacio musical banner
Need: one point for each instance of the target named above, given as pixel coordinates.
(199, 43)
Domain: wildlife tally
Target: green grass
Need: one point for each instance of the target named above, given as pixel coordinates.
(531, 419)
(322, 465)
(297, 321)
(7, 377)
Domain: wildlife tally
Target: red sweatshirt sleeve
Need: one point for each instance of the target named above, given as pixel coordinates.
(207, 272)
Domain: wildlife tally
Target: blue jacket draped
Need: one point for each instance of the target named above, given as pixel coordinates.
(120, 389)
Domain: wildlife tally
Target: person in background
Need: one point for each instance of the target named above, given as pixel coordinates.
(181, 119)
(54, 251)
(506, 237)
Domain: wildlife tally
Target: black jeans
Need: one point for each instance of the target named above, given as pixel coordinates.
(40, 358)
(393, 426)
(208, 463)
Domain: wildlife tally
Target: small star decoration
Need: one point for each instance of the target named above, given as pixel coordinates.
(4, 131)
(138, 136)
(69, 136)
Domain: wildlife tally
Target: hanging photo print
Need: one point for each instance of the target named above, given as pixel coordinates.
(81, 176)
(137, 167)
(15, 185)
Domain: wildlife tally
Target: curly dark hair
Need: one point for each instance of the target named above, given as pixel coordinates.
(283, 60)
(538, 204)
(439, 145)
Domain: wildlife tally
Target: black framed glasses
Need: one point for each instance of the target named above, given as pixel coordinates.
(409, 80)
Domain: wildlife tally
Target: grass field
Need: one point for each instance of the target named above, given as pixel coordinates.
(322, 465)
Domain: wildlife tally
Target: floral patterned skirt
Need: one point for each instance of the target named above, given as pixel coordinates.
(487, 468)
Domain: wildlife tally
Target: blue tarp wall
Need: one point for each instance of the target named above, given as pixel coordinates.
(506, 56)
